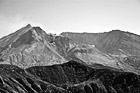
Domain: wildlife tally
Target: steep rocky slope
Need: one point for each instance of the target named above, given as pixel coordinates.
(16, 80)
(114, 42)
(70, 77)
(123, 46)
(27, 47)
(90, 55)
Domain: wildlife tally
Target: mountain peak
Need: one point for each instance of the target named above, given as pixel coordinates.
(29, 25)
(23, 34)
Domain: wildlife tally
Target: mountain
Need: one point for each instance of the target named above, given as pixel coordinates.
(29, 46)
(69, 77)
(124, 46)
(90, 55)
(113, 42)
(32, 61)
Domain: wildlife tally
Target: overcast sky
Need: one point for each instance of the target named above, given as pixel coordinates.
(58, 16)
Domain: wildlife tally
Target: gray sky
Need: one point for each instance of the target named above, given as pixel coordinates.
(58, 16)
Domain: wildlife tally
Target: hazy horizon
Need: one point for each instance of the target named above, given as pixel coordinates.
(58, 16)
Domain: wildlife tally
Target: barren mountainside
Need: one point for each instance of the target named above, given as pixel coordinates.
(33, 61)
(31, 46)
(113, 42)
(27, 47)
